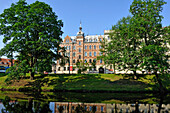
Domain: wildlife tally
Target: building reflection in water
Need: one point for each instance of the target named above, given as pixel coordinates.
(71, 107)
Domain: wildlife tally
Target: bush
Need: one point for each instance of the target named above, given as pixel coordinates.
(3, 74)
(79, 71)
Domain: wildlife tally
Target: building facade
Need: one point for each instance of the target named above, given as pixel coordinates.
(6, 62)
(81, 48)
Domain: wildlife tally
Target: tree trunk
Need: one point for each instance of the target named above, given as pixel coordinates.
(161, 88)
(11, 62)
(32, 75)
(114, 67)
(135, 75)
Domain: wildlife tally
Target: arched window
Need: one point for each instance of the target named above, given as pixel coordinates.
(79, 50)
(85, 54)
(79, 56)
(85, 46)
(90, 54)
(74, 54)
(94, 46)
(90, 47)
(94, 53)
(89, 60)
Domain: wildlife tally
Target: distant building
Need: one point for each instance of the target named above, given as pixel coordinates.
(5, 62)
(86, 49)
(82, 48)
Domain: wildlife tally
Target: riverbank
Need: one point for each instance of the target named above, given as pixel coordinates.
(84, 83)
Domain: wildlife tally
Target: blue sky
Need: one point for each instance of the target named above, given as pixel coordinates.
(95, 15)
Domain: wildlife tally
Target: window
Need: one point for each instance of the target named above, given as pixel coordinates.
(90, 47)
(74, 54)
(79, 56)
(79, 42)
(58, 68)
(85, 108)
(85, 53)
(100, 53)
(74, 61)
(64, 68)
(69, 47)
(85, 47)
(100, 60)
(85, 61)
(79, 50)
(90, 54)
(68, 68)
(94, 46)
(67, 40)
(100, 39)
(101, 108)
(90, 108)
(74, 47)
(94, 60)
(89, 60)
(94, 53)
(100, 46)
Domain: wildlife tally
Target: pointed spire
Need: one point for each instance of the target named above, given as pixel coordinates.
(80, 33)
(80, 28)
(80, 23)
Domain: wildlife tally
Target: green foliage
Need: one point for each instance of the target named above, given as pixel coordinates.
(81, 66)
(34, 32)
(140, 42)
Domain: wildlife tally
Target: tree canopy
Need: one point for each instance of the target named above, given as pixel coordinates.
(140, 41)
(33, 31)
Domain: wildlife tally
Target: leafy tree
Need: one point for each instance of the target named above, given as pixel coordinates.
(150, 31)
(81, 66)
(32, 31)
(123, 50)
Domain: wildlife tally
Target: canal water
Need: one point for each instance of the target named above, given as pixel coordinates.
(70, 102)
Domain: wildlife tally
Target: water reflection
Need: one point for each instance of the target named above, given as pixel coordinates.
(33, 106)
(64, 107)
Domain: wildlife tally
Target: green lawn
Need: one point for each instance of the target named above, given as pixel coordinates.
(90, 82)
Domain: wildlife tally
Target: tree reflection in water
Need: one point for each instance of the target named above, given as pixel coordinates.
(25, 107)
(33, 106)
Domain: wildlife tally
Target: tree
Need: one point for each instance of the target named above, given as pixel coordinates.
(150, 31)
(123, 50)
(32, 31)
(82, 66)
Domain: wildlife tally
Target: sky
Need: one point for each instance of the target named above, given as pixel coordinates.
(95, 15)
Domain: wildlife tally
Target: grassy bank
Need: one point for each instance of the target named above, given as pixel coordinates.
(89, 82)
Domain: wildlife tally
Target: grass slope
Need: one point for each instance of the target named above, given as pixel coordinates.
(90, 82)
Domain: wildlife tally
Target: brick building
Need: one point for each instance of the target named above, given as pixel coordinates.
(82, 48)
(5, 62)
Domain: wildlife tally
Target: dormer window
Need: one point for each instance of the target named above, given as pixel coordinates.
(67, 40)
